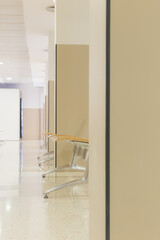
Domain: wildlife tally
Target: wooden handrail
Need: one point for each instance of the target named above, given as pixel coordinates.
(47, 133)
(57, 137)
(77, 139)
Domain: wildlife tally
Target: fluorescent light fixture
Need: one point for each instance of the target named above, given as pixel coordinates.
(8, 78)
(1, 63)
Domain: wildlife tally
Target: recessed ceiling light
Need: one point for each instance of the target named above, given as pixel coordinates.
(9, 78)
(1, 63)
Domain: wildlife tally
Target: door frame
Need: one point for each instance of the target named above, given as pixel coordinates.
(108, 120)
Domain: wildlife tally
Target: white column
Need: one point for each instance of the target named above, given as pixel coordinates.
(97, 92)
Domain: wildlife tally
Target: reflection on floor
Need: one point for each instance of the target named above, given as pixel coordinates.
(24, 213)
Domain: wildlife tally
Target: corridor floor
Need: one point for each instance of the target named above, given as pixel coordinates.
(24, 213)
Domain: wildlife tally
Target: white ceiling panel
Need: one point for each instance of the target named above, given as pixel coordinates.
(24, 29)
(38, 24)
(11, 10)
(13, 45)
(11, 27)
(10, 2)
(11, 19)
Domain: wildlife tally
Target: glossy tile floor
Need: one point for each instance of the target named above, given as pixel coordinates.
(24, 213)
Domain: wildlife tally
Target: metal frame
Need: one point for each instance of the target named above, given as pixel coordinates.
(45, 154)
(46, 160)
(80, 150)
(108, 32)
(43, 146)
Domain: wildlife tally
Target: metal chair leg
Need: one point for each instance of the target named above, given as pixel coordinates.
(81, 151)
(46, 160)
(43, 146)
(70, 166)
(68, 184)
(67, 167)
(45, 154)
(56, 170)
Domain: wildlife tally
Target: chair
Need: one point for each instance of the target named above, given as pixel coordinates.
(50, 135)
(81, 149)
(46, 154)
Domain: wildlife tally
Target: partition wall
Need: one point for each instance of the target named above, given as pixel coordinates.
(10, 114)
(132, 68)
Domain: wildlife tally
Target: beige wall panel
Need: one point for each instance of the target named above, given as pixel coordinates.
(41, 122)
(51, 111)
(97, 91)
(31, 123)
(46, 118)
(72, 95)
(135, 118)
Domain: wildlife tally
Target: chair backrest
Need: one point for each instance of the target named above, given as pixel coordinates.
(82, 149)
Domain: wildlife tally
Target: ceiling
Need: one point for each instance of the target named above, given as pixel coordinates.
(24, 29)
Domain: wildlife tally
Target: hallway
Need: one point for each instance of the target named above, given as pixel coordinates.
(24, 213)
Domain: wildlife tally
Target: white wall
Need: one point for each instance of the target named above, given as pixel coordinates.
(72, 21)
(33, 97)
(9, 114)
(33, 101)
